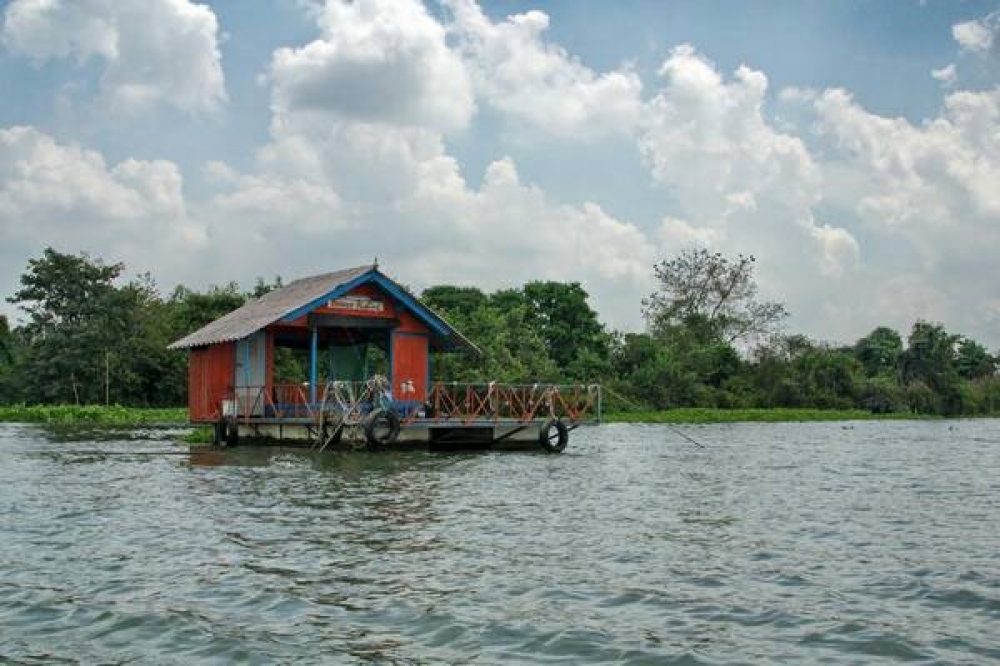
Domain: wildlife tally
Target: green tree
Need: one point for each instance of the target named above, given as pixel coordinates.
(930, 354)
(775, 379)
(545, 330)
(9, 354)
(89, 340)
(141, 370)
(675, 369)
(705, 304)
(63, 289)
(69, 303)
(881, 394)
(465, 308)
(512, 350)
(972, 361)
(451, 299)
(574, 337)
(930, 361)
(650, 373)
(828, 376)
(6, 343)
(262, 286)
(879, 351)
(190, 310)
(712, 294)
(985, 395)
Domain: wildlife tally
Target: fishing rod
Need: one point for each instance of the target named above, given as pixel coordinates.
(669, 426)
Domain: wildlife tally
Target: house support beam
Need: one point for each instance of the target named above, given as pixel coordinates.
(313, 345)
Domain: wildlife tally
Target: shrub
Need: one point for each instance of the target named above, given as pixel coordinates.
(920, 398)
(881, 395)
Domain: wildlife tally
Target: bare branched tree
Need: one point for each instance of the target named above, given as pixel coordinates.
(710, 292)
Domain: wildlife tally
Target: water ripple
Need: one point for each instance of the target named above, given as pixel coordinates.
(776, 543)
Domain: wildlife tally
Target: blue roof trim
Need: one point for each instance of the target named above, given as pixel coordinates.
(336, 293)
(373, 276)
(422, 313)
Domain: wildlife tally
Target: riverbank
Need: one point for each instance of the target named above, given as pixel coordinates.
(125, 416)
(772, 415)
(113, 415)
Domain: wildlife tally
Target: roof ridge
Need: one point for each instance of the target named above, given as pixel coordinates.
(268, 308)
(363, 267)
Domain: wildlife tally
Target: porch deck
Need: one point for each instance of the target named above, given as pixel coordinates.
(485, 413)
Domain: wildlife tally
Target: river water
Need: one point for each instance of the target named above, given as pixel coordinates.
(799, 543)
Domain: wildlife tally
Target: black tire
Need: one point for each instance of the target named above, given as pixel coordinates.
(381, 427)
(232, 433)
(219, 433)
(554, 436)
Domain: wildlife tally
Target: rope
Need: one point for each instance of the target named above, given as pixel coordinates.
(670, 427)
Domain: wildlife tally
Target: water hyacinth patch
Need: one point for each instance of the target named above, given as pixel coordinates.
(92, 414)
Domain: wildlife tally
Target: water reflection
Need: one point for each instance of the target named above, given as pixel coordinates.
(390, 498)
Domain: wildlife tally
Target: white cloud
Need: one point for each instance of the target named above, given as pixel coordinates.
(709, 139)
(839, 250)
(857, 219)
(266, 206)
(927, 197)
(356, 166)
(376, 60)
(510, 222)
(44, 30)
(675, 233)
(67, 196)
(946, 75)
(342, 180)
(402, 198)
(925, 176)
(69, 187)
(428, 225)
(979, 35)
(517, 72)
(742, 185)
(796, 94)
(154, 52)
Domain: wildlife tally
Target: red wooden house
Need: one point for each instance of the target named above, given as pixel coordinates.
(336, 317)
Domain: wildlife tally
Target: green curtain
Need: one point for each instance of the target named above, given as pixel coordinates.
(349, 362)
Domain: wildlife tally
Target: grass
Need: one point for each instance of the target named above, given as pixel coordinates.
(92, 414)
(773, 415)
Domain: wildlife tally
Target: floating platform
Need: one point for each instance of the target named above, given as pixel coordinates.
(352, 321)
(456, 415)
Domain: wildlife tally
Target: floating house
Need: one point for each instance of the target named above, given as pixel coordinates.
(340, 321)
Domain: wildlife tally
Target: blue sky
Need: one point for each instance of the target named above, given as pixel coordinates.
(851, 146)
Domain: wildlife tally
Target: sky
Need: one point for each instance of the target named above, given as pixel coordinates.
(852, 147)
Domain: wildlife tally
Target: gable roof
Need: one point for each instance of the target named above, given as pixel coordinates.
(304, 295)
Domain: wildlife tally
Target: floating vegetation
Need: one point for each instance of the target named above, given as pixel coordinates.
(773, 415)
(92, 414)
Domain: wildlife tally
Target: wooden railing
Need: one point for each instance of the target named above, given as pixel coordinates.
(447, 402)
(452, 401)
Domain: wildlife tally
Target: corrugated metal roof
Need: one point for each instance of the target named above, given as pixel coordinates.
(269, 308)
(278, 304)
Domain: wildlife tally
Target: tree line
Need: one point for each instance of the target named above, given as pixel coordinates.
(90, 337)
